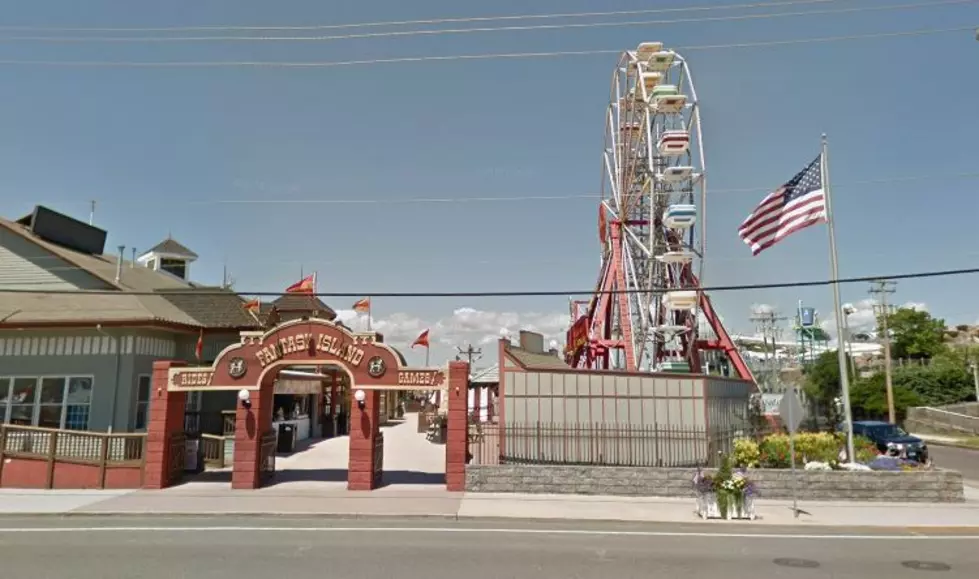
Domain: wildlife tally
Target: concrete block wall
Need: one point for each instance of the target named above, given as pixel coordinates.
(936, 486)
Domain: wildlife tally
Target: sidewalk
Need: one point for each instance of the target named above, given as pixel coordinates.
(429, 501)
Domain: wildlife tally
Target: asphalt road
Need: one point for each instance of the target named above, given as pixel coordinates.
(270, 548)
(960, 459)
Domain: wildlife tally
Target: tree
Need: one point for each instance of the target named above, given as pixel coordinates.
(915, 334)
(823, 385)
(941, 382)
(868, 399)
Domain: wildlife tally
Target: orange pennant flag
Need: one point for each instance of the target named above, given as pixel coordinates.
(253, 305)
(306, 285)
(362, 306)
(421, 340)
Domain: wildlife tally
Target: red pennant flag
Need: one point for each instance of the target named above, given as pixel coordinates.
(421, 340)
(306, 285)
(362, 306)
(199, 349)
(253, 305)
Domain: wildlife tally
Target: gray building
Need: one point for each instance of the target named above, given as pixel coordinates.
(83, 361)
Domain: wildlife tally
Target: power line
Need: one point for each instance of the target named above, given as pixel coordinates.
(512, 28)
(382, 24)
(545, 293)
(520, 198)
(459, 57)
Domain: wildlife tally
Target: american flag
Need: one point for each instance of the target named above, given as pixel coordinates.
(794, 206)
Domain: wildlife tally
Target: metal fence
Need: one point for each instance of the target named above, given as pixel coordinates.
(598, 444)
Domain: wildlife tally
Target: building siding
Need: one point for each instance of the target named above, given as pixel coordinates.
(26, 266)
(114, 358)
(596, 397)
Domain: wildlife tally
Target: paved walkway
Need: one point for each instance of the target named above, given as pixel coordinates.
(312, 482)
(419, 501)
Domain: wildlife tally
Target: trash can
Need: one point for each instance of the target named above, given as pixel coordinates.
(342, 424)
(329, 426)
(287, 438)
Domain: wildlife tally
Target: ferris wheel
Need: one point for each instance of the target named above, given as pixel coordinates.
(649, 313)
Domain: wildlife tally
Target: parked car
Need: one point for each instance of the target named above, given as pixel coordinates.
(892, 440)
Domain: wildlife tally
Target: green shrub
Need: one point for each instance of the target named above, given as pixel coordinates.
(746, 453)
(809, 446)
(819, 446)
(865, 449)
(774, 451)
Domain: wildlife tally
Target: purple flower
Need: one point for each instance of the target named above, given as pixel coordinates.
(703, 483)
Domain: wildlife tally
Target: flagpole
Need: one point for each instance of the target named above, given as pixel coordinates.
(837, 305)
(370, 304)
(428, 351)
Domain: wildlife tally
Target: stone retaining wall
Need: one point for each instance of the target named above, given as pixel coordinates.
(935, 486)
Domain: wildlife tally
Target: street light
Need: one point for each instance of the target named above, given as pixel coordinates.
(849, 309)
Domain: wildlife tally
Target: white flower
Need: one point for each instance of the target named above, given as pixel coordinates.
(816, 465)
(854, 466)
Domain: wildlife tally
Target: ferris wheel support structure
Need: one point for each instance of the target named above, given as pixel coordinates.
(649, 312)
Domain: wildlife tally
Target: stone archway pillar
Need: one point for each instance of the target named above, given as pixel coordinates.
(250, 424)
(366, 463)
(166, 418)
(457, 435)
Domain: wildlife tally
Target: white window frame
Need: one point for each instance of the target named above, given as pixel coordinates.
(36, 410)
(146, 403)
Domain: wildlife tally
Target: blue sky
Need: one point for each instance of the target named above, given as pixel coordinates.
(158, 147)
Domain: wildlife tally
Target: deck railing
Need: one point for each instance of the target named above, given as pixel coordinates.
(55, 447)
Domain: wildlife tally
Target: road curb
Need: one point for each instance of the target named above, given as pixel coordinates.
(221, 514)
(695, 521)
(950, 445)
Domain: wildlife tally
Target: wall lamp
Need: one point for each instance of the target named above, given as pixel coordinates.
(360, 397)
(245, 397)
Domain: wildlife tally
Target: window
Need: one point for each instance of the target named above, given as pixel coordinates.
(46, 401)
(143, 384)
(177, 267)
(194, 401)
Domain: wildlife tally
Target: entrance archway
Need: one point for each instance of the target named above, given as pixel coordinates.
(250, 367)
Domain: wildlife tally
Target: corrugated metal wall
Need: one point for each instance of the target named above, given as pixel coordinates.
(591, 398)
(617, 419)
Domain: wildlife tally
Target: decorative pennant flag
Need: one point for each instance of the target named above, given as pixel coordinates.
(199, 348)
(421, 340)
(306, 285)
(796, 205)
(363, 306)
(253, 305)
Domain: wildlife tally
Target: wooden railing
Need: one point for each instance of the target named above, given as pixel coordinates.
(267, 457)
(56, 447)
(214, 449)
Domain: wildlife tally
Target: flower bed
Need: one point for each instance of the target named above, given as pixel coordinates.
(816, 451)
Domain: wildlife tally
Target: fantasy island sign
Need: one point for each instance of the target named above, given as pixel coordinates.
(246, 365)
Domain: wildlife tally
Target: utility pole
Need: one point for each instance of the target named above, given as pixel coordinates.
(975, 378)
(469, 353)
(881, 288)
(767, 323)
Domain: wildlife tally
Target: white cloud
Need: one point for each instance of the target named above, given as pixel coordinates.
(464, 326)
(762, 308)
(863, 319)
